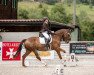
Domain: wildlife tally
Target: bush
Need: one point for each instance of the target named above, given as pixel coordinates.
(40, 5)
(28, 13)
(86, 26)
(44, 12)
(35, 13)
(23, 13)
(58, 13)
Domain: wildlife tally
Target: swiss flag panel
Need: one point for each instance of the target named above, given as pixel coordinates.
(9, 49)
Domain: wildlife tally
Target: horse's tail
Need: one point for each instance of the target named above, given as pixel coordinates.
(19, 48)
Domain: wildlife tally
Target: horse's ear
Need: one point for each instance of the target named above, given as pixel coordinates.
(71, 30)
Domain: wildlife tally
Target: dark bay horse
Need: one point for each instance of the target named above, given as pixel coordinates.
(33, 44)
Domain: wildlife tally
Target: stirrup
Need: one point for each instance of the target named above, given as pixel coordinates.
(46, 48)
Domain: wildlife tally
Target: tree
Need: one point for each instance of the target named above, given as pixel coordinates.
(58, 13)
(44, 12)
(69, 2)
(23, 13)
(86, 26)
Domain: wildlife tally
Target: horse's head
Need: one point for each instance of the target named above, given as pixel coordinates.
(65, 34)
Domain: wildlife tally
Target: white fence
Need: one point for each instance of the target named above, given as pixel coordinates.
(56, 59)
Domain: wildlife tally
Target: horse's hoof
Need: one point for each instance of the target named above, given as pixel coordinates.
(64, 51)
(24, 66)
(65, 65)
(14, 56)
(46, 65)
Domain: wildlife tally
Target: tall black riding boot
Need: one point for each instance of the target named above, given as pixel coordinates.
(48, 45)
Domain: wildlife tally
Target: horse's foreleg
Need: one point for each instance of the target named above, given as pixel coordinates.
(59, 54)
(62, 50)
(24, 56)
(38, 57)
(64, 54)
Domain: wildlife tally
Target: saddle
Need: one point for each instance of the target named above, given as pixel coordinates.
(45, 39)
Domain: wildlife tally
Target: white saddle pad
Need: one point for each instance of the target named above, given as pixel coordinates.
(45, 34)
(42, 40)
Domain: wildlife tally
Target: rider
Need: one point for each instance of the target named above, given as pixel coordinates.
(46, 32)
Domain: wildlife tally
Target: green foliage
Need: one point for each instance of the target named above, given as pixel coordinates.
(40, 5)
(44, 12)
(20, 0)
(86, 26)
(69, 2)
(58, 13)
(90, 6)
(34, 13)
(88, 2)
(51, 1)
(78, 1)
(29, 12)
(23, 13)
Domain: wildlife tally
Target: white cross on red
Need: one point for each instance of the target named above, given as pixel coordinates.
(11, 53)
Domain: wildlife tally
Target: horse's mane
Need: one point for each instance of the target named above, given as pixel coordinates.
(60, 31)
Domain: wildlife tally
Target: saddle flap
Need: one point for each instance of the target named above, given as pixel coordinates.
(42, 40)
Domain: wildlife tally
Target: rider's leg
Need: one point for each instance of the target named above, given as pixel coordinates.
(48, 45)
(47, 40)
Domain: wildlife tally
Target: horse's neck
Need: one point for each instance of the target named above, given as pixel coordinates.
(60, 32)
(56, 37)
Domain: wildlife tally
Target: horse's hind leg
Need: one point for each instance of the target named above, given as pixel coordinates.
(24, 56)
(38, 57)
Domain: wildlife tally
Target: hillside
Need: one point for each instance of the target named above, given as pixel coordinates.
(61, 12)
(69, 9)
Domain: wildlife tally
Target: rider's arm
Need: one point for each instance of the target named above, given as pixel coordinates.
(50, 32)
(42, 30)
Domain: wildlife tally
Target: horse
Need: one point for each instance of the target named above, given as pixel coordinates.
(33, 44)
